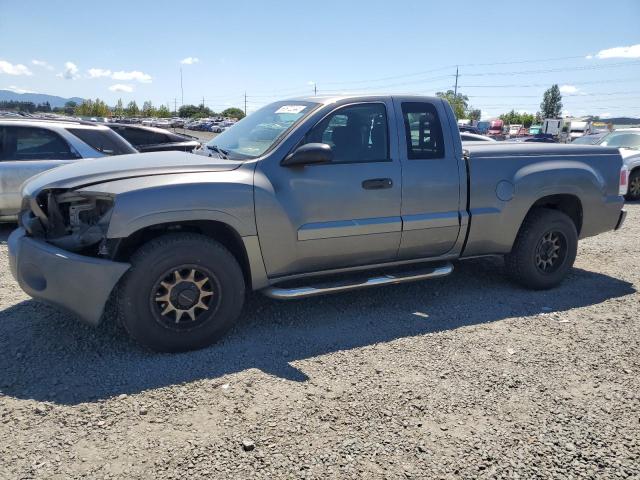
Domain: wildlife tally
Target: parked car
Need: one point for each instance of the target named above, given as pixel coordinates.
(628, 141)
(495, 129)
(469, 129)
(535, 129)
(31, 146)
(304, 197)
(153, 139)
(514, 130)
(472, 137)
(162, 123)
(589, 139)
(539, 138)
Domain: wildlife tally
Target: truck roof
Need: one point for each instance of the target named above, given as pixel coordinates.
(326, 99)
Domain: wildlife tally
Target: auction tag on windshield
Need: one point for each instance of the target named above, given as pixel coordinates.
(291, 109)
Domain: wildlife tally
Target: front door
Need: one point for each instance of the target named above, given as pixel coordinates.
(342, 214)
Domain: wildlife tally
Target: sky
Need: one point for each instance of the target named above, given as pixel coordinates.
(507, 52)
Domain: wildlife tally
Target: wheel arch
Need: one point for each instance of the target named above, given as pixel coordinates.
(567, 203)
(226, 235)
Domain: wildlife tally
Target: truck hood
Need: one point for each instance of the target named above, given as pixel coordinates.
(105, 169)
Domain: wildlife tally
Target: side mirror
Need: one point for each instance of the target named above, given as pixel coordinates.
(309, 154)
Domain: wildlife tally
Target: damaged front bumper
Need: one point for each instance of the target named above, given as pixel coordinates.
(76, 283)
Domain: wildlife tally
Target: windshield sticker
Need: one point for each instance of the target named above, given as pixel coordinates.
(291, 109)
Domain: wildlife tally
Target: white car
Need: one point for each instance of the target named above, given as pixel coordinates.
(31, 146)
(628, 141)
(514, 129)
(473, 137)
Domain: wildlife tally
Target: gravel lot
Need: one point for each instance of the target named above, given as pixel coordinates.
(463, 377)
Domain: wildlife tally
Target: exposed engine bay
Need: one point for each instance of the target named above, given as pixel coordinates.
(73, 221)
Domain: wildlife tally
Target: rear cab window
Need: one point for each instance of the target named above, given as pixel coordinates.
(33, 143)
(103, 140)
(423, 131)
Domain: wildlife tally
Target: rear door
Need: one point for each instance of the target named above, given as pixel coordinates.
(431, 192)
(25, 152)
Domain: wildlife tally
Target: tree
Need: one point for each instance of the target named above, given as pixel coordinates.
(119, 109)
(193, 111)
(148, 110)
(163, 111)
(474, 114)
(132, 109)
(551, 105)
(515, 118)
(70, 107)
(459, 103)
(233, 112)
(93, 108)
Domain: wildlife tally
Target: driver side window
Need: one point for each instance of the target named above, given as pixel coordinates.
(356, 133)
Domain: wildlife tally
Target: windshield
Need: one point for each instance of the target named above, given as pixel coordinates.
(587, 140)
(257, 133)
(622, 140)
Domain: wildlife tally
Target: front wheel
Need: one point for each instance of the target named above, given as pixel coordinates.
(634, 186)
(183, 292)
(544, 250)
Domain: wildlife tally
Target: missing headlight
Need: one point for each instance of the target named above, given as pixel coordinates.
(77, 221)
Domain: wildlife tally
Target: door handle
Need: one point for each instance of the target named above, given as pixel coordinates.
(377, 183)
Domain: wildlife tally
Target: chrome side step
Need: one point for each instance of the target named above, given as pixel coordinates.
(342, 286)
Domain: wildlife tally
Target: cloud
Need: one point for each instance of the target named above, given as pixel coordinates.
(133, 75)
(121, 75)
(189, 60)
(11, 69)
(120, 87)
(632, 51)
(605, 115)
(15, 89)
(589, 57)
(42, 63)
(70, 71)
(568, 89)
(99, 72)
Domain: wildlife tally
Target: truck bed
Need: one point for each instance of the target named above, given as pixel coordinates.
(507, 179)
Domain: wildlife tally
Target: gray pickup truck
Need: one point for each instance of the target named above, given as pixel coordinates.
(303, 197)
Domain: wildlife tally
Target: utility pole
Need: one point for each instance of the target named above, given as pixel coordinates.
(175, 106)
(181, 89)
(245, 104)
(315, 88)
(203, 102)
(455, 91)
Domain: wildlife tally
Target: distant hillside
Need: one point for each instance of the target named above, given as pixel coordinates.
(618, 120)
(54, 101)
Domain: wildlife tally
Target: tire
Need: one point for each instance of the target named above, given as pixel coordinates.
(633, 193)
(183, 292)
(544, 250)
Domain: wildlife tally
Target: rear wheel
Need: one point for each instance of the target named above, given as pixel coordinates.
(183, 292)
(633, 192)
(544, 250)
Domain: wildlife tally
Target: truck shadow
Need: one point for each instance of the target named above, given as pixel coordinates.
(48, 356)
(5, 231)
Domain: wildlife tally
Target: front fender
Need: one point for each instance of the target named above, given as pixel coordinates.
(225, 197)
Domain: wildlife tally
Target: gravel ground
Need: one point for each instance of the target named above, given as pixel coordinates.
(463, 377)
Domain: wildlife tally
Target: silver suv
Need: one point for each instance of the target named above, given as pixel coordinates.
(31, 146)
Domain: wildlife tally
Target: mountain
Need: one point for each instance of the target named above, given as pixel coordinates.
(54, 101)
(620, 120)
